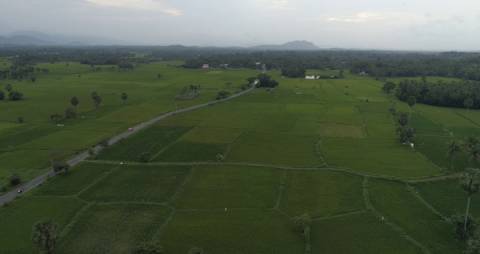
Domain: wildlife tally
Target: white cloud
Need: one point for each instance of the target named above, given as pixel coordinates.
(153, 5)
(359, 17)
(280, 4)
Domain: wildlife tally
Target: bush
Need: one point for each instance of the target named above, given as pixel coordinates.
(15, 180)
(222, 95)
(70, 113)
(15, 96)
(60, 166)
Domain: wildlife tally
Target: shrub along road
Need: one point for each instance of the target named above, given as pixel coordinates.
(75, 160)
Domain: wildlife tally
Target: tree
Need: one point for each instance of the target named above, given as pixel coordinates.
(8, 87)
(74, 101)
(148, 248)
(15, 96)
(402, 119)
(468, 103)
(15, 180)
(159, 76)
(44, 236)
(2, 95)
(388, 87)
(124, 97)
(266, 81)
(453, 148)
(470, 183)
(97, 99)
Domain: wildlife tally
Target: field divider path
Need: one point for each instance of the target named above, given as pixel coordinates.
(284, 167)
(80, 157)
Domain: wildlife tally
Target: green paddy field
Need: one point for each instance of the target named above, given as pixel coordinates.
(229, 178)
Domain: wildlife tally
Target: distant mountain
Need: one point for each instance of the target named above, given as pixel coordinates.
(293, 45)
(33, 38)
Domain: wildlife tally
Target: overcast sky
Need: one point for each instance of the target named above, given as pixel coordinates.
(381, 24)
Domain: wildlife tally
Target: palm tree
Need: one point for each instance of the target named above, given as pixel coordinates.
(453, 148)
(470, 183)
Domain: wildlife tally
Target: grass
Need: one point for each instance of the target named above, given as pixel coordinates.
(137, 183)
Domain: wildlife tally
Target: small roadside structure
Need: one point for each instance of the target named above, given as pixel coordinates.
(310, 77)
(205, 66)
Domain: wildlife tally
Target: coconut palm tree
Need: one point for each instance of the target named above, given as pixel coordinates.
(470, 183)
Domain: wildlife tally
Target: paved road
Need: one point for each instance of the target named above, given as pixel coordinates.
(75, 160)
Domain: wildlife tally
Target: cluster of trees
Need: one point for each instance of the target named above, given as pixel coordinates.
(266, 81)
(374, 63)
(293, 72)
(459, 94)
(12, 95)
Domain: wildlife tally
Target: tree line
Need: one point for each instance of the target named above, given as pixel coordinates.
(458, 94)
